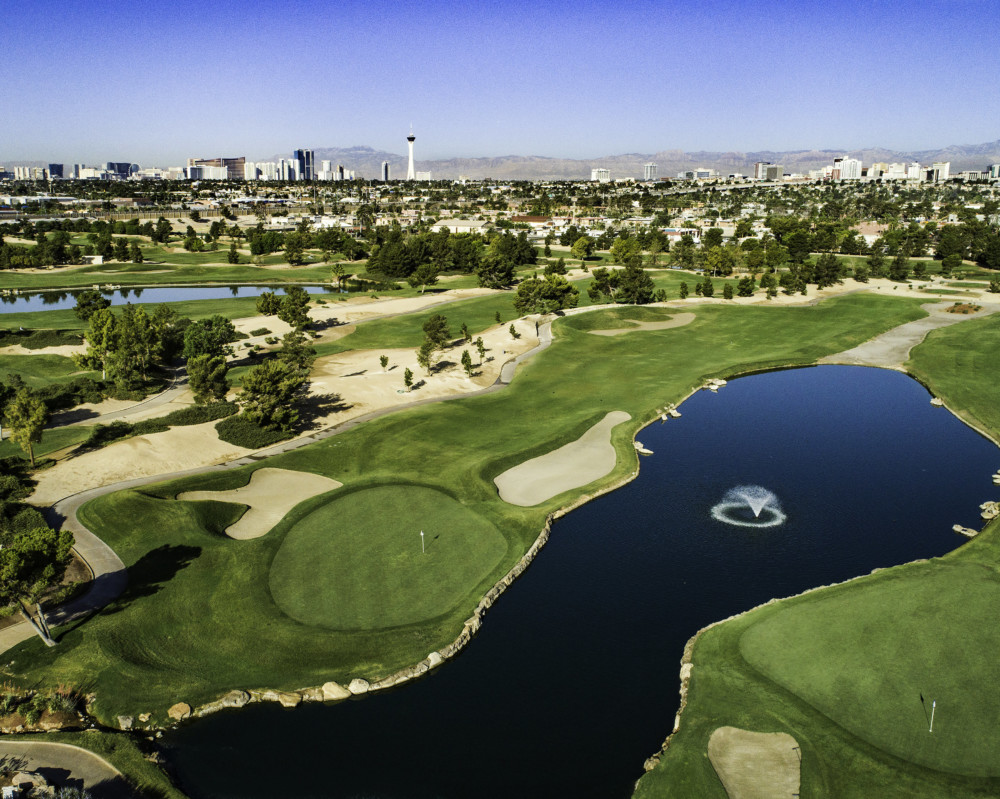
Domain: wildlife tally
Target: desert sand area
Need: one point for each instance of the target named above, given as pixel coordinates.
(570, 466)
(345, 386)
(67, 350)
(270, 494)
(755, 765)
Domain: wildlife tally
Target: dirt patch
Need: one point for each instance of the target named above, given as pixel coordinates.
(270, 494)
(573, 465)
(755, 765)
(677, 320)
(964, 308)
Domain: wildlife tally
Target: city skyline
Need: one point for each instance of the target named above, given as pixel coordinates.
(576, 80)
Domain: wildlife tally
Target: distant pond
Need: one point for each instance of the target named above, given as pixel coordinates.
(60, 300)
(573, 680)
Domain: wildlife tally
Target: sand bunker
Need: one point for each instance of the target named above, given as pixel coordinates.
(588, 458)
(271, 493)
(677, 320)
(755, 765)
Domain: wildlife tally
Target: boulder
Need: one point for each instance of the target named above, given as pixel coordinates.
(937, 402)
(434, 660)
(284, 698)
(180, 711)
(232, 699)
(144, 717)
(125, 722)
(334, 692)
(359, 686)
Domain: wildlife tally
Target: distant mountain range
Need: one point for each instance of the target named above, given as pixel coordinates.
(367, 163)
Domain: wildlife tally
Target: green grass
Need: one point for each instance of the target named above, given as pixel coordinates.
(959, 364)
(52, 440)
(357, 562)
(122, 752)
(160, 642)
(41, 370)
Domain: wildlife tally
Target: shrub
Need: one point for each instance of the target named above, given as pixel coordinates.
(104, 434)
(242, 432)
(260, 331)
(198, 414)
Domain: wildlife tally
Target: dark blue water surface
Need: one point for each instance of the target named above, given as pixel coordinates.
(573, 680)
(60, 300)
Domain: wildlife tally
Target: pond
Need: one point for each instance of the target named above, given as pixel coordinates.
(573, 680)
(61, 300)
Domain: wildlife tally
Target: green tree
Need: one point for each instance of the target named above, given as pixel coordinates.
(436, 330)
(425, 355)
(545, 295)
(466, 335)
(270, 390)
(604, 286)
(899, 269)
(425, 275)
(513, 332)
(294, 309)
(635, 286)
(27, 416)
(583, 248)
(89, 301)
(295, 353)
(557, 268)
(121, 250)
(495, 271)
(746, 287)
(684, 290)
(268, 303)
(233, 257)
(408, 378)
(209, 337)
(627, 251)
(480, 348)
(31, 562)
(337, 272)
(950, 263)
(102, 341)
(712, 238)
(383, 361)
(727, 291)
(207, 376)
(861, 273)
(135, 253)
(467, 362)
(707, 287)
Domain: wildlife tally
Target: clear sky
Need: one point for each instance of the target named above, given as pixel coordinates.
(155, 82)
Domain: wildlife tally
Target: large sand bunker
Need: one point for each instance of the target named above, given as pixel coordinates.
(677, 320)
(270, 494)
(755, 765)
(588, 458)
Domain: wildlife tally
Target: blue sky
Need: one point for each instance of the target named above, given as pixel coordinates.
(155, 82)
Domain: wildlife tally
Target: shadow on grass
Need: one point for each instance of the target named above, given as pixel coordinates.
(154, 569)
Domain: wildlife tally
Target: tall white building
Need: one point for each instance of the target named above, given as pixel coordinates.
(649, 171)
(850, 169)
(940, 170)
(994, 171)
(410, 171)
(600, 175)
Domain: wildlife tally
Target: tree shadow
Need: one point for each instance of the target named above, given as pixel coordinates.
(312, 408)
(149, 574)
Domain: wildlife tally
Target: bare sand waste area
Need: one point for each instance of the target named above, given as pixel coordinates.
(573, 465)
(755, 765)
(269, 495)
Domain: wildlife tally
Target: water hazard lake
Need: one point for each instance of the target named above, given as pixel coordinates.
(573, 680)
(61, 300)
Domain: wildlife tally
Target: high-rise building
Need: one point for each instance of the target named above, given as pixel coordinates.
(385, 171)
(850, 169)
(55, 170)
(339, 174)
(994, 171)
(649, 171)
(304, 158)
(940, 170)
(760, 170)
(410, 170)
(324, 166)
(600, 175)
(234, 166)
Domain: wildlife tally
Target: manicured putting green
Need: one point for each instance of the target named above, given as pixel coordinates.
(864, 656)
(356, 562)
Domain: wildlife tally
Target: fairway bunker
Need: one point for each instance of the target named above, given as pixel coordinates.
(269, 495)
(572, 465)
(755, 765)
